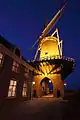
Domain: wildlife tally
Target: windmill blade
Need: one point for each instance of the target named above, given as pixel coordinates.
(36, 53)
(53, 22)
(35, 42)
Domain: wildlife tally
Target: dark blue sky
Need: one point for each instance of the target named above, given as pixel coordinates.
(22, 22)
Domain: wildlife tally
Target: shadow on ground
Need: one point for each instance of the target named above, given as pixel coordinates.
(43, 109)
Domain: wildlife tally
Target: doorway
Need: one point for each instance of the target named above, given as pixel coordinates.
(47, 87)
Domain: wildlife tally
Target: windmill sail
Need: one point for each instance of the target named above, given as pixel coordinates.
(49, 27)
(53, 22)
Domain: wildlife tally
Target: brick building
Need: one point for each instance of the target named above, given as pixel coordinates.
(15, 73)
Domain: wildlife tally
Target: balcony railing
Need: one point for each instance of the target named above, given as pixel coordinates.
(56, 57)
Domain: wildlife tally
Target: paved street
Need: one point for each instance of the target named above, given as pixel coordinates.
(36, 109)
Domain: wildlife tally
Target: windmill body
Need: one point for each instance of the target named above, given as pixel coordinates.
(52, 67)
(51, 47)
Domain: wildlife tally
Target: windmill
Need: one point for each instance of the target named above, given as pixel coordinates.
(47, 30)
(52, 65)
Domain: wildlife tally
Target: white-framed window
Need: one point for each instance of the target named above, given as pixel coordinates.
(15, 66)
(24, 91)
(12, 88)
(1, 58)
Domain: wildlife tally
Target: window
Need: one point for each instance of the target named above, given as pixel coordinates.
(24, 92)
(1, 58)
(46, 53)
(17, 52)
(12, 88)
(15, 67)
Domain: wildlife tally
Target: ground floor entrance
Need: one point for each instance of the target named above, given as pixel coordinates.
(46, 87)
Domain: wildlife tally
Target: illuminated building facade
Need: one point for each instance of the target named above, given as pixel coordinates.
(22, 79)
(53, 67)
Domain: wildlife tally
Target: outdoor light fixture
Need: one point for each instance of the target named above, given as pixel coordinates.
(33, 83)
(65, 84)
(49, 81)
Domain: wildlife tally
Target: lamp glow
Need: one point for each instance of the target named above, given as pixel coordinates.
(49, 81)
(33, 83)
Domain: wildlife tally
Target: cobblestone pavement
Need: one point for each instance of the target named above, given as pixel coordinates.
(36, 109)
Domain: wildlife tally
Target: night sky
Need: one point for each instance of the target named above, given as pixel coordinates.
(22, 21)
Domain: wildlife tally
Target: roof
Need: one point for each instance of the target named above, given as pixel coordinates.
(7, 44)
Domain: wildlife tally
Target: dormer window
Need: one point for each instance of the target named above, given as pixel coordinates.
(17, 52)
